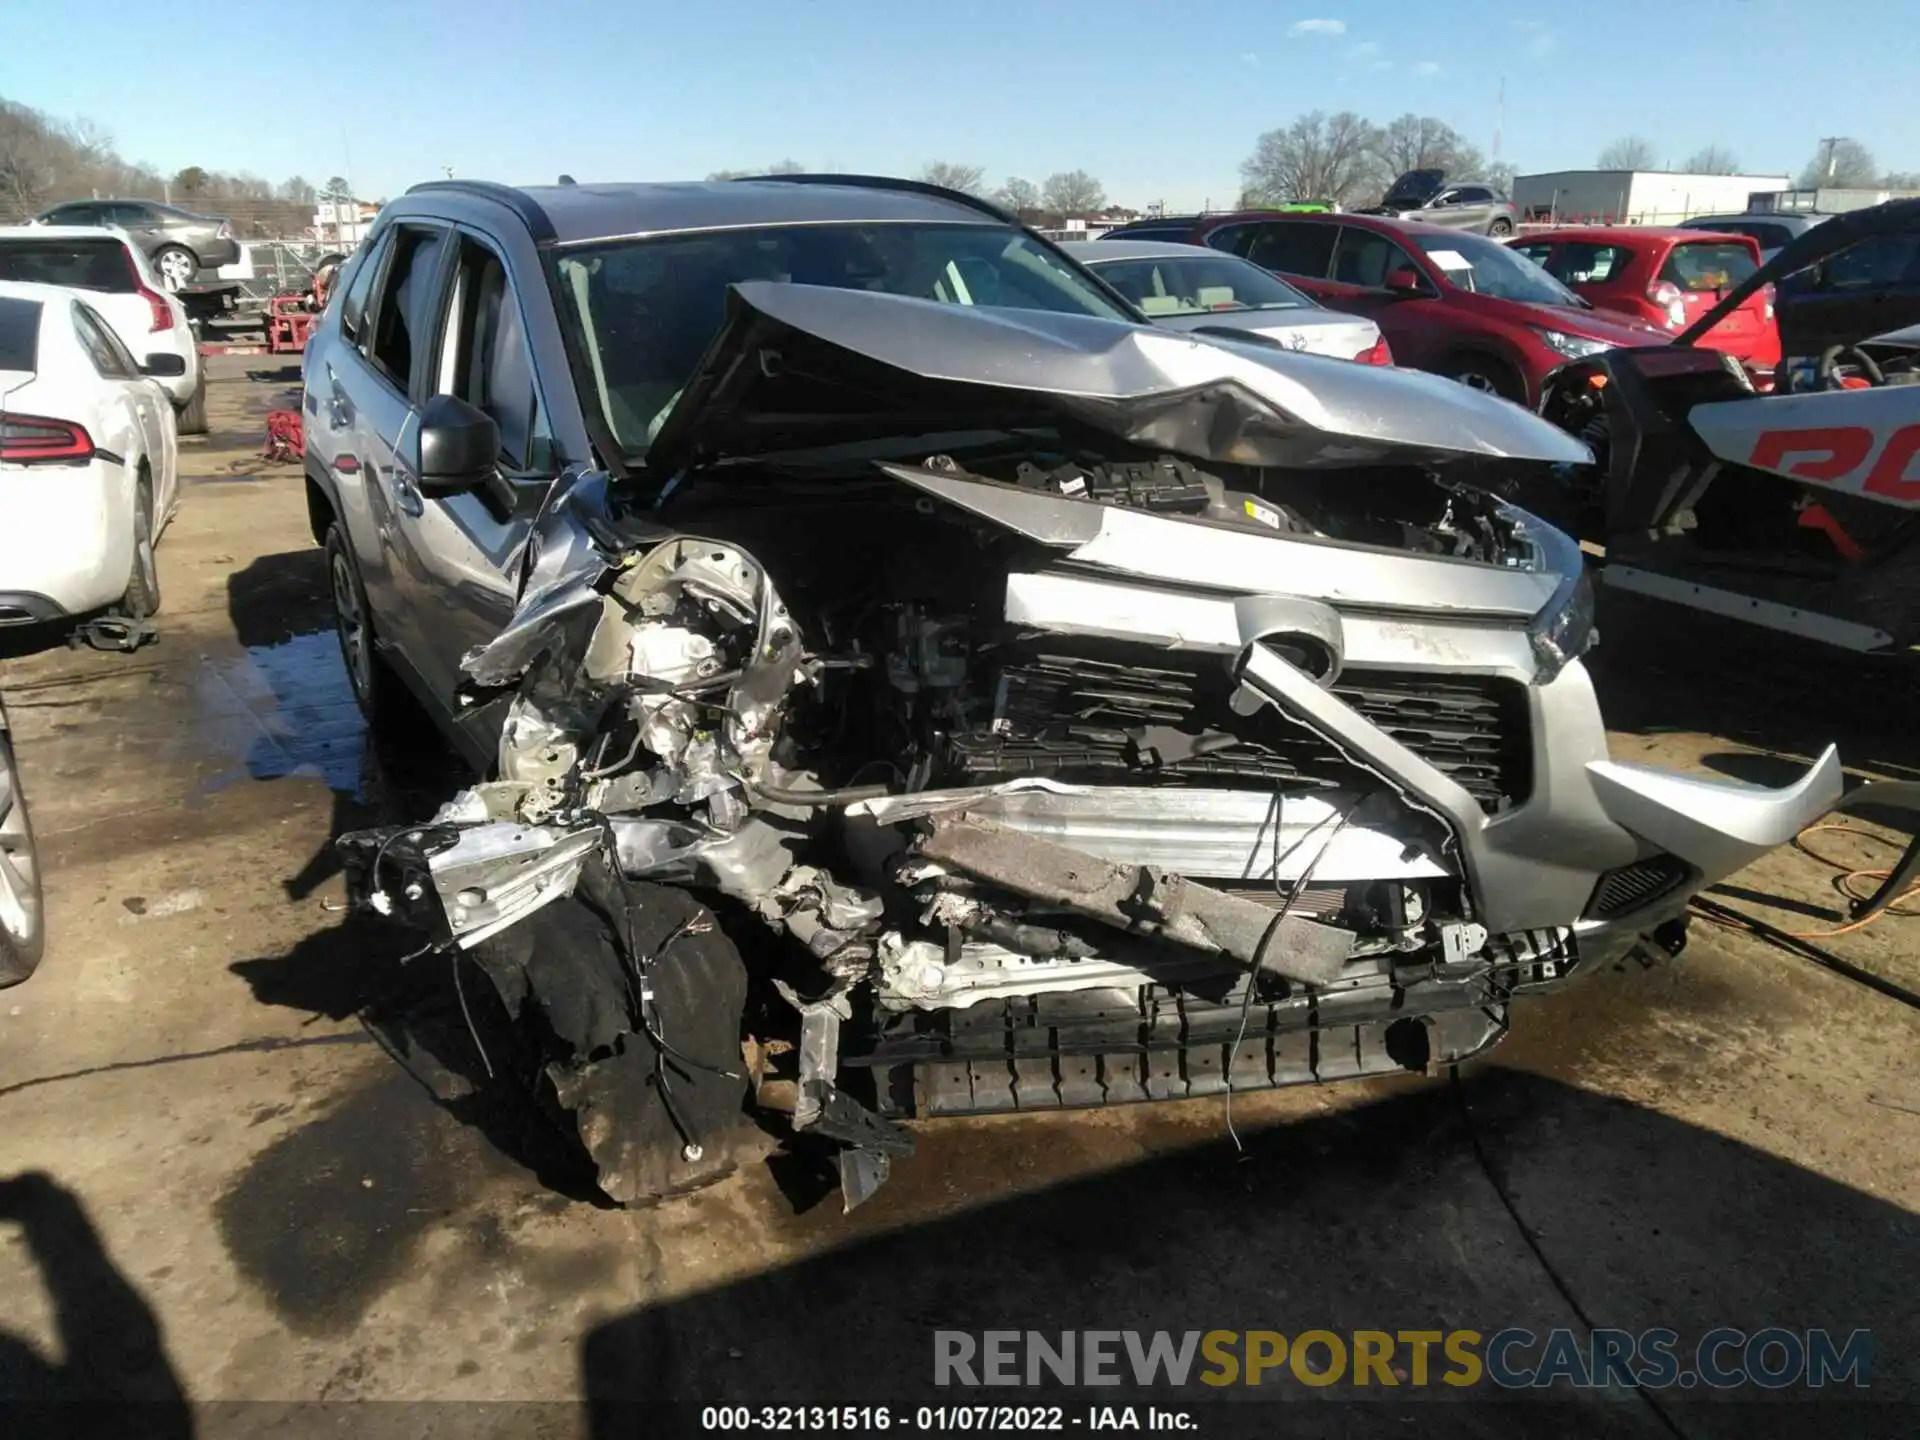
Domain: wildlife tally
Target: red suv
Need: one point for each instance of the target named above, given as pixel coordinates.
(1459, 305)
(1666, 277)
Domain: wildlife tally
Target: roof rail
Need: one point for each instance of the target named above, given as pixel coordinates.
(518, 201)
(892, 182)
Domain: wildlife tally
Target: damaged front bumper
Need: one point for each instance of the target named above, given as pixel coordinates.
(1344, 840)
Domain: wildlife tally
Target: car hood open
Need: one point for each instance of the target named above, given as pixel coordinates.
(803, 366)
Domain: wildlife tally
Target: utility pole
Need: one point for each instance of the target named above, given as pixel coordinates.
(1830, 141)
(1499, 119)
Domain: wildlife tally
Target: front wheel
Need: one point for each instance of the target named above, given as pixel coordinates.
(1482, 372)
(23, 934)
(375, 688)
(1500, 227)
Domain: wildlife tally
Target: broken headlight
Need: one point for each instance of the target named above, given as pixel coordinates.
(1563, 630)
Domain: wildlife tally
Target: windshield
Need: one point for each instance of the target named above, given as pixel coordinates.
(78, 264)
(1200, 284)
(645, 310)
(1470, 263)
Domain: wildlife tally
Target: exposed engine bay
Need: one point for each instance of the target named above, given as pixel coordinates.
(999, 853)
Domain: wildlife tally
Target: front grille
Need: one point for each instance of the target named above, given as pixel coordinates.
(1622, 891)
(1112, 714)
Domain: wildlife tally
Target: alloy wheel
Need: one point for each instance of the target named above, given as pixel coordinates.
(176, 268)
(352, 628)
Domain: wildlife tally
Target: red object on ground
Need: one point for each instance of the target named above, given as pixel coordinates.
(1667, 277)
(286, 438)
(289, 323)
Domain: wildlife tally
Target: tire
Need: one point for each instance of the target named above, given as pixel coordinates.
(1483, 372)
(1499, 227)
(376, 689)
(23, 927)
(192, 416)
(143, 584)
(176, 266)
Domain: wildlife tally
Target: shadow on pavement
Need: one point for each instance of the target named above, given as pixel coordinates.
(1381, 1218)
(113, 1374)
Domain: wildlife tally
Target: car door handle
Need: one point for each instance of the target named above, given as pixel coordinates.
(406, 494)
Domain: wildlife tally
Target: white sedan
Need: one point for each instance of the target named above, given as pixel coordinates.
(121, 285)
(88, 460)
(1189, 287)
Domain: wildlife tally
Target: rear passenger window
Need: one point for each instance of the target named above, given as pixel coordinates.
(1302, 249)
(403, 320)
(1367, 257)
(1581, 262)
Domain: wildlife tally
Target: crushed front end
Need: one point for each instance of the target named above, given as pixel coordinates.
(1045, 768)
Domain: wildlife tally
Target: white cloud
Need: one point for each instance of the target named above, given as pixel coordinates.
(1381, 65)
(1366, 50)
(1316, 27)
(1427, 67)
(1249, 58)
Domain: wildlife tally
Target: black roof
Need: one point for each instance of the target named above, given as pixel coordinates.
(573, 213)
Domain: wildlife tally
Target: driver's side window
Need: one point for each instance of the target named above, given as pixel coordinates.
(486, 360)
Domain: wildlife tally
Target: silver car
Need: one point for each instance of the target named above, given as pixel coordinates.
(1433, 197)
(885, 650)
(1208, 292)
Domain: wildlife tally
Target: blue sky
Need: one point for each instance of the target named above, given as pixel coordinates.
(1160, 102)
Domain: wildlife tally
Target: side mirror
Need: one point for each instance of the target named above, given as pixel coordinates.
(164, 367)
(1405, 280)
(459, 447)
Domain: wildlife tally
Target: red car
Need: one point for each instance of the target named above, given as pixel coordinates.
(1457, 304)
(1666, 277)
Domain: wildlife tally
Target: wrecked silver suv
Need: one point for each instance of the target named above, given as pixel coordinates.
(944, 694)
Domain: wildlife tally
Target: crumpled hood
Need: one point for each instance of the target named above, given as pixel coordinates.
(801, 365)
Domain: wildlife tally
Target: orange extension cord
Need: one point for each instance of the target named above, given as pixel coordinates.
(1846, 883)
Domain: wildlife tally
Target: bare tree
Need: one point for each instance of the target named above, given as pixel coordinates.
(1317, 157)
(778, 167)
(1841, 164)
(192, 182)
(1072, 192)
(1629, 152)
(1713, 160)
(1020, 196)
(296, 190)
(1901, 180)
(1500, 176)
(965, 178)
(1420, 142)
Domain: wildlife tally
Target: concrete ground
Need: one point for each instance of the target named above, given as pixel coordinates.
(270, 1208)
